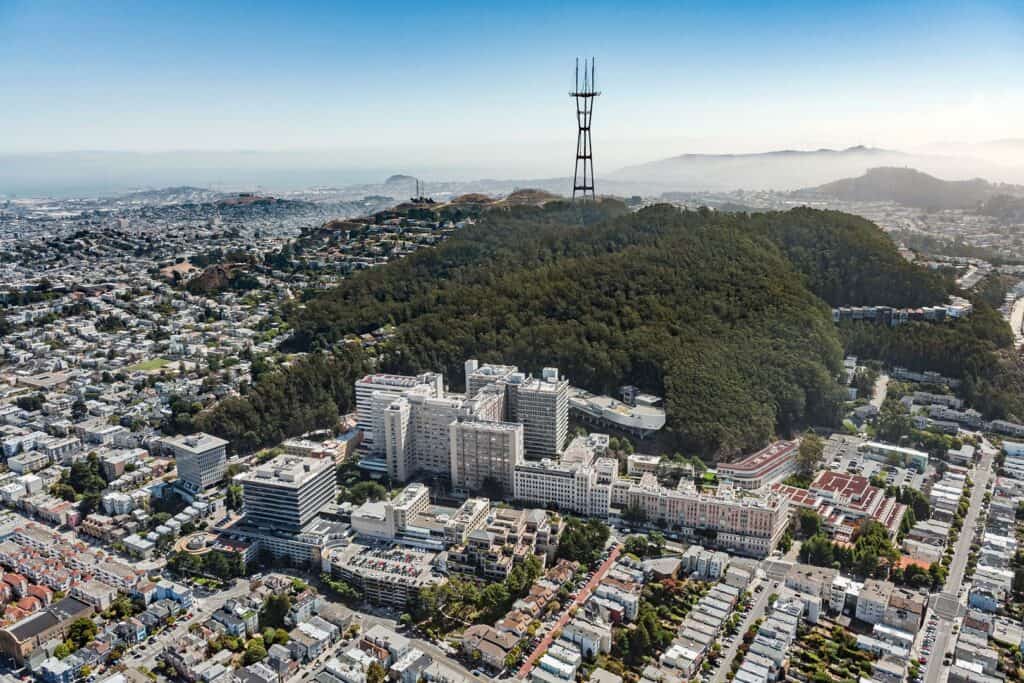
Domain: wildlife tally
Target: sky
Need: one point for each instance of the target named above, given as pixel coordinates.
(484, 89)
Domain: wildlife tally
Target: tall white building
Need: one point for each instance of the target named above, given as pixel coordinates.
(286, 493)
(201, 460)
(375, 392)
(478, 376)
(581, 481)
(482, 451)
(417, 437)
(542, 405)
(407, 423)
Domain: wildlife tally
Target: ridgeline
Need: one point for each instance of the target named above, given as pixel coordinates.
(726, 315)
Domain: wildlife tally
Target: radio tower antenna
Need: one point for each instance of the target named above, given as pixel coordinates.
(584, 92)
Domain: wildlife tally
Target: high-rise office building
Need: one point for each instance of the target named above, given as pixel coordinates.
(416, 428)
(485, 452)
(200, 459)
(375, 392)
(478, 376)
(286, 493)
(542, 406)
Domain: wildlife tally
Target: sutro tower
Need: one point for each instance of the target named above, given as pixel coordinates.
(583, 176)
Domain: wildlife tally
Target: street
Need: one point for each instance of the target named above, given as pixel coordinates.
(946, 606)
(757, 611)
(202, 609)
(880, 390)
(581, 598)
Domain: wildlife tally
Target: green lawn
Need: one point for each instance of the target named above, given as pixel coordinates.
(149, 365)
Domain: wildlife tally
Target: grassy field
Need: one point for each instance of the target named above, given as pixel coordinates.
(150, 365)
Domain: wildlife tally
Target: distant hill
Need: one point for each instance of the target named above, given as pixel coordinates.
(529, 196)
(248, 198)
(911, 187)
(182, 194)
(777, 170)
(790, 170)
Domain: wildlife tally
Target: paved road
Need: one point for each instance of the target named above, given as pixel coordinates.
(980, 475)
(946, 606)
(757, 611)
(202, 609)
(581, 598)
(880, 390)
(1016, 321)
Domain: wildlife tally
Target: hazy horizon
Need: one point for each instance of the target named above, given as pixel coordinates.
(342, 93)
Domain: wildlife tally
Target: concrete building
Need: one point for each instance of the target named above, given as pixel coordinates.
(542, 406)
(485, 452)
(771, 464)
(905, 457)
(817, 581)
(417, 435)
(478, 376)
(386, 519)
(580, 481)
(375, 392)
(748, 522)
(470, 516)
(873, 601)
(21, 638)
(287, 492)
(200, 458)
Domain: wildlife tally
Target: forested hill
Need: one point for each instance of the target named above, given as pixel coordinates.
(724, 314)
(913, 188)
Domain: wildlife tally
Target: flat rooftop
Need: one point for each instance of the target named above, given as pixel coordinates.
(389, 563)
(764, 459)
(286, 471)
(396, 381)
(199, 442)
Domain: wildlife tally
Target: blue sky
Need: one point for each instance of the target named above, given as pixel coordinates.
(462, 79)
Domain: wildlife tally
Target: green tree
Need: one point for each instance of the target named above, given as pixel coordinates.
(233, 497)
(81, 632)
(893, 423)
(274, 610)
(809, 454)
(817, 550)
(365, 491)
(255, 651)
(809, 522)
(376, 673)
(582, 541)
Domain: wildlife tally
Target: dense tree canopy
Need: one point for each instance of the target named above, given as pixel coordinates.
(724, 314)
(308, 394)
(582, 540)
(976, 350)
(718, 312)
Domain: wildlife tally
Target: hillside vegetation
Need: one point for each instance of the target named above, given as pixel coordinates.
(913, 188)
(723, 314)
(978, 350)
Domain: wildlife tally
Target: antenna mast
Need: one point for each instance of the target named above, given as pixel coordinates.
(584, 92)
